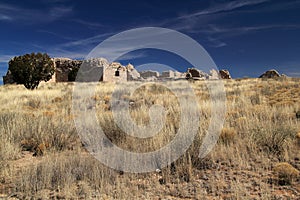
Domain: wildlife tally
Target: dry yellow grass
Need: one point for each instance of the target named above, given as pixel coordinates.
(286, 173)
(227, 135)
(261, 115)
(298, 138)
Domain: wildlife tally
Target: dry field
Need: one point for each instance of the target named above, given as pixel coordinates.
(257, 155)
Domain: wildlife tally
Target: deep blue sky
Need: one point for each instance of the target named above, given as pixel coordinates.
(247, 37)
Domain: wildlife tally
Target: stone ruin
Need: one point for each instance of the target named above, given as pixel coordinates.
(193, 73)
(63, 67)
(196, 74)
(116, 72)
(270, 74)
(224, 74)
(111, 72)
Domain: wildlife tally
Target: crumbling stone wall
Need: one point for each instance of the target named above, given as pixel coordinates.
(149, 74)
(63, 66)
(115, 72)
(167, 74)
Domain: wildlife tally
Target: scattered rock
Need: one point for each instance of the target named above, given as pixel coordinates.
(162, 181)
(195, 74)
(224, 74)
(158, 171)
(270, 74)
(149, 74)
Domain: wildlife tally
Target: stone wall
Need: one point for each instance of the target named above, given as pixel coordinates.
(99, 69)
(115, 72)
(149, 74)
(167, 74)
(63, 66)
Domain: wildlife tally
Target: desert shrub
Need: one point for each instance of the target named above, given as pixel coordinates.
(255, 99)
(57, 100)
(286, 173)
(27, 132)
(34, 103)
(227, 135)
(63, 171)
(273, 139)
(9, 150)
(31, 69)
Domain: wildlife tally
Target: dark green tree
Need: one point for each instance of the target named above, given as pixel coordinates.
(31, 69)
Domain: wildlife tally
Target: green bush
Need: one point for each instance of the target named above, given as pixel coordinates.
(31, 69)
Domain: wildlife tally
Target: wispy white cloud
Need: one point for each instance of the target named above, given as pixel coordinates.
(30, 16)
(217, 29)
(5, 18)
(218, 33)
(58, 12)
(290, 68)
(216, 42)
(133, 55)
(88, 41)
(206, 21)
(224, 7)
(6, 58)
(54, 1)
(8, 7)
(89, 24)
(293, 74)
(75, 54)
(56, 34)
(119, 48)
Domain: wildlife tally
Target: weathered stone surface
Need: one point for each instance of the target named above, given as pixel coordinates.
(115, 72)
(270, 74)
(168, 74)
(224, 74)
(133, 75)
(214, 75)
(129, 67)
(179, 75)
(63, 66)
(99, 69)
(193, 73)
(149, 74)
